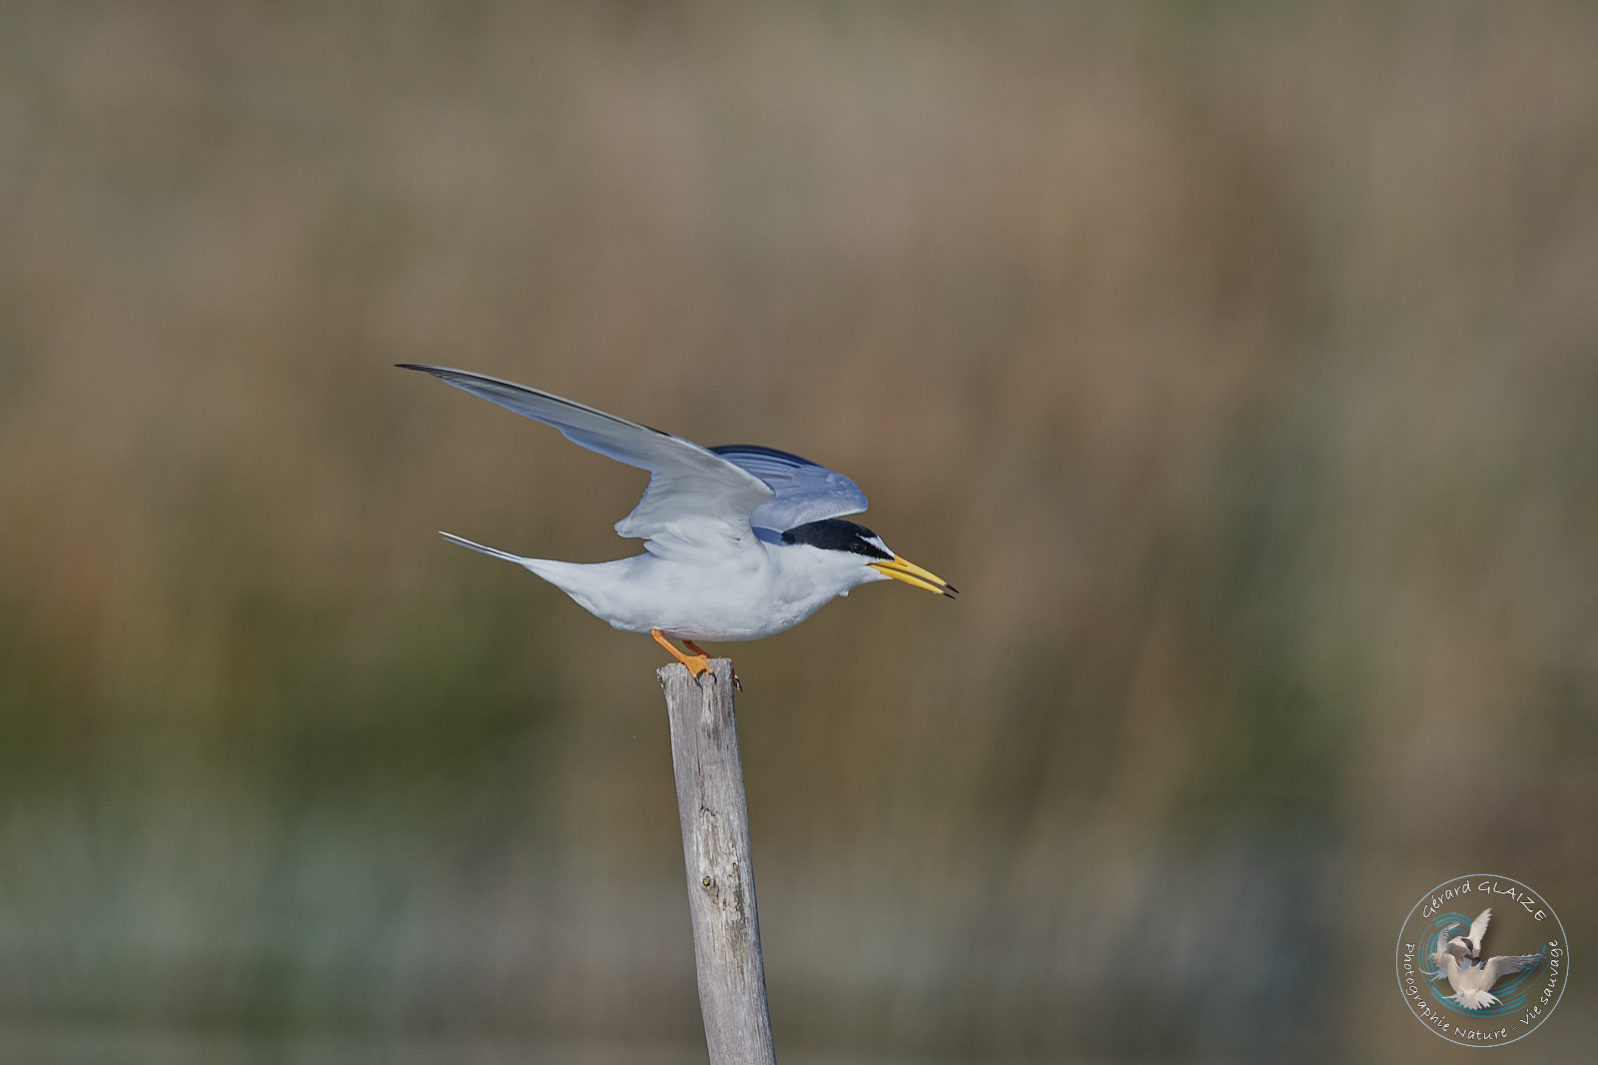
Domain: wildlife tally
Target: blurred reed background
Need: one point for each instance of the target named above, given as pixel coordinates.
(1236, 359)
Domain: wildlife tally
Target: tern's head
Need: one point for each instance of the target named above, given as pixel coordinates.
(1462, 947)
(855, 555)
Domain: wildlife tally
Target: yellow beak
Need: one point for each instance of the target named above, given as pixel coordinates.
(901, 569)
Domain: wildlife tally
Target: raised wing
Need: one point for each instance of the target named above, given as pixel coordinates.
(805, 491)
(694, 497)
(1478, 928)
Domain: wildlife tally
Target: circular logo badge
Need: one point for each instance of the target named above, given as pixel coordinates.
(1482, 960)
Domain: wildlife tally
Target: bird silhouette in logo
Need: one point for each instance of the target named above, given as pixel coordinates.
(1458, 959)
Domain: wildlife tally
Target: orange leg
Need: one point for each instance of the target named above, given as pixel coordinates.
(698, 663)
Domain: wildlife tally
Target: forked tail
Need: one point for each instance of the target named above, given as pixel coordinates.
(1472, 999)
(579, 580)
(506, 555)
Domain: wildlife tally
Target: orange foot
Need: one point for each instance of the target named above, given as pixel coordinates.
(700, 651)
(698, 663)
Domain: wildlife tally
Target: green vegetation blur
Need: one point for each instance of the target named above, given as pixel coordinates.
(1238, 361)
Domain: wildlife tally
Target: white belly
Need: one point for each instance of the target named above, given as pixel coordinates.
(742, 597)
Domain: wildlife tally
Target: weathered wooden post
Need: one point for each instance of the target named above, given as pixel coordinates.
(715, 850)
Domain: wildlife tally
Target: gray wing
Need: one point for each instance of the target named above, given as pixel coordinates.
(805, 491)
(1504, 964)
(694, 497)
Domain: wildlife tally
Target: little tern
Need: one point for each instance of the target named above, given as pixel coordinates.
(740, 541)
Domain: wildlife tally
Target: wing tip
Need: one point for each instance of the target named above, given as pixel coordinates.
(422, 367)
